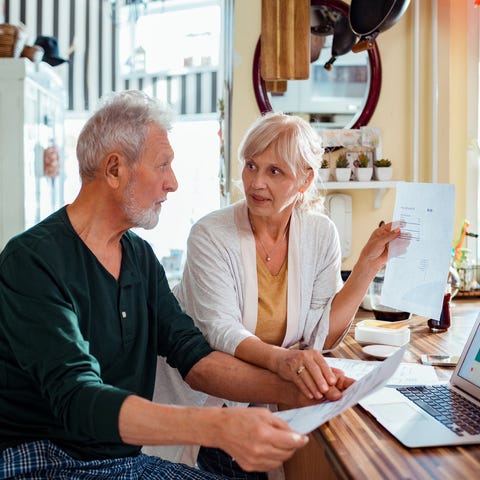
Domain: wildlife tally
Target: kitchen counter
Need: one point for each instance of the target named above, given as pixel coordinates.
(354, 446)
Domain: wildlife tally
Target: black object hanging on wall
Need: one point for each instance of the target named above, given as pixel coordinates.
(368, 18)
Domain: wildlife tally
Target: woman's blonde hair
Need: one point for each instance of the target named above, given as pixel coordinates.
(294, 142)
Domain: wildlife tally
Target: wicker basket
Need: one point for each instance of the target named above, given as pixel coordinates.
(12, 40)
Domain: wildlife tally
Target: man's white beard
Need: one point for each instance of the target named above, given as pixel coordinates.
(147, 218)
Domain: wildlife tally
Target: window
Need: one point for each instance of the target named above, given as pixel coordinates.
(173, 49)
(196, 163)
(168, 36)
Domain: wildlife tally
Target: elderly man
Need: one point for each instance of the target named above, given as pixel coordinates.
(85, 309)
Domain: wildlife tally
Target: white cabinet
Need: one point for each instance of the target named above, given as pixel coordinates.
(31, 120)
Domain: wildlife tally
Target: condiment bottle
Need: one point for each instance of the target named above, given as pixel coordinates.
(444, 322)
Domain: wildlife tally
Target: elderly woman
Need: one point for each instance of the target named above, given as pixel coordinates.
(263, 275)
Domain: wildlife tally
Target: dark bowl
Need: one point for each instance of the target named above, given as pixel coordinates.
(391, 315)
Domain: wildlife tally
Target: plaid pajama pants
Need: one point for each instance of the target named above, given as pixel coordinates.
(42, 460)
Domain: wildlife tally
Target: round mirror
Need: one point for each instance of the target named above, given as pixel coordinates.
(342, 89)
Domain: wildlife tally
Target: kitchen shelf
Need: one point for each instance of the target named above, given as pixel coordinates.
(379, 188)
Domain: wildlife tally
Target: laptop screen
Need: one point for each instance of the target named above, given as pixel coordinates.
(470, 366)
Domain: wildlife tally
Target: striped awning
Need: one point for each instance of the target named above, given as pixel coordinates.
(87, 35)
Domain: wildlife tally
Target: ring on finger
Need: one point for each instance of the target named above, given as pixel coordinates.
(300, 369)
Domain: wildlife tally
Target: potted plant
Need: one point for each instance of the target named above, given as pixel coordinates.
(324, 171)
(363, 171)
(383, 169)
(342, 170)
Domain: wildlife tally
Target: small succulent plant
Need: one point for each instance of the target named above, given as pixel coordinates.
(363, 160)
(383, 162)
(342, 161)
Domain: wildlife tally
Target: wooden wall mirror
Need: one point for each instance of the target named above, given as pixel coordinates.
(344, 96)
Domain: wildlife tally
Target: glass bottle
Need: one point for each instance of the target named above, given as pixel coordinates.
(465, 270)
(444, 322)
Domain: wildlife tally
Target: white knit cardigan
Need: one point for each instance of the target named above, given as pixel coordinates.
(219, 291)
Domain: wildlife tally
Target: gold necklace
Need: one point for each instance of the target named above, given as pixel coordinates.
(268, 256)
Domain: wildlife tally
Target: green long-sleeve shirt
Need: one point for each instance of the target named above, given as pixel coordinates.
(74, 342)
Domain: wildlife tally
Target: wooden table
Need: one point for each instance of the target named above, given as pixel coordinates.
(355, 446)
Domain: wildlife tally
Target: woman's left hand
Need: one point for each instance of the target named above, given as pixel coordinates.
(375, 251)
(311, 373)
(376, 248)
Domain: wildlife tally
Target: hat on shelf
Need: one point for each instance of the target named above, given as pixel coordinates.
(50, 47)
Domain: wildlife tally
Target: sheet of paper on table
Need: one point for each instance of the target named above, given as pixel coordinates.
(406, 373)
(415, 280)
(306, 419)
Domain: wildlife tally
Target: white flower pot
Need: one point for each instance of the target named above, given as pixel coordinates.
(364, 174)
(383, 174)
(324, 174)
(343, 174)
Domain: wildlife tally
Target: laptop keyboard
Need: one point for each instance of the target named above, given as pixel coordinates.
(447, 406)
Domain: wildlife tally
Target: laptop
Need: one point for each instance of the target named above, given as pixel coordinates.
(434, 415)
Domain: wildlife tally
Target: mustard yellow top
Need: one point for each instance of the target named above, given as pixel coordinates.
(272, 304)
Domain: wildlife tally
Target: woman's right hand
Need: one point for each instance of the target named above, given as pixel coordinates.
(311, 373)
(307, 369)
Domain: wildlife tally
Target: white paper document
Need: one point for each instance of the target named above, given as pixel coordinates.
(306, 419)
(415, 280)
(406, 373)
